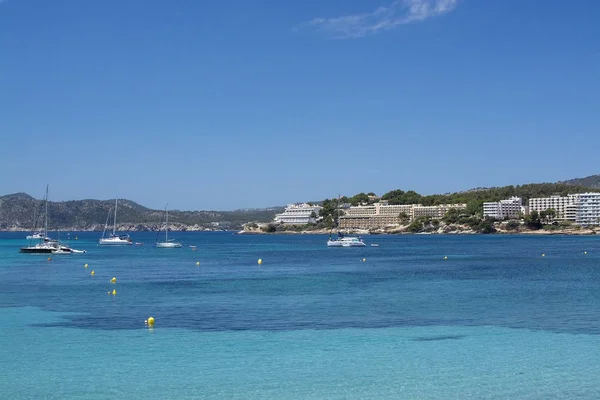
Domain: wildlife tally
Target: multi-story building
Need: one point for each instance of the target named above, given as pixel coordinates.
(509, 208)
(588, 209)
(437, 212)
(565, 206)
(298, 214)
(381, 215)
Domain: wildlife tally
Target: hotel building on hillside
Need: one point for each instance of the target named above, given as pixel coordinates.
(588, 209)
(298, 214)
(503, 209)
(381, 215)
(565, 206)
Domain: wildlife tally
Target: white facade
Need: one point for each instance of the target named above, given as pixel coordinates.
(563, 205)
(588, 209)
(510, 208)
(298, 214)
(381, 215)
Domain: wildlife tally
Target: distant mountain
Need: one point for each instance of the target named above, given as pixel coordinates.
(592, 181)
(17, 212)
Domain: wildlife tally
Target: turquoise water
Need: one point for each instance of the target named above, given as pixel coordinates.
(495, 320)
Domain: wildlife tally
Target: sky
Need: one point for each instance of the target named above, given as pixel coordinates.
(227, 104)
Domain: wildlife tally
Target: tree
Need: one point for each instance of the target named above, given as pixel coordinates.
(452, 216)
(403, 217)
(533, 221)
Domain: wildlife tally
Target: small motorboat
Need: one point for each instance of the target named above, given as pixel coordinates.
(374, 245)
(139, 243)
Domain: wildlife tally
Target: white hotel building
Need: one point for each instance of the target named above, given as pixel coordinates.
(565, 206)
(381, 215)
(298, 214)
(510, 208)
(582, 208)
(588, 209)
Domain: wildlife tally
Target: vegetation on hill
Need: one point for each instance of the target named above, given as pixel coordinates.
(592, 181)
(474, 199)
(17, 212)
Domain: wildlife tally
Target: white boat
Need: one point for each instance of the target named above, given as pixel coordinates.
(114, 239)
(343, 240)
(35, 236)
(167, 244)
(47, 245)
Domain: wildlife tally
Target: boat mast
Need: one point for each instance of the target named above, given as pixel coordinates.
(46, 216)
(115, 220)
(167, 223)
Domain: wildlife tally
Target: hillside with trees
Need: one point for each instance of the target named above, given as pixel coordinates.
(17, 212)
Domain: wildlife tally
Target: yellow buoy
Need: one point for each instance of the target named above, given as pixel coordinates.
(85, 266)
(150, 321)
(113, 280)
(259, 261)
(49, 259)
(92, 273)
(197, 262)
(114, 292)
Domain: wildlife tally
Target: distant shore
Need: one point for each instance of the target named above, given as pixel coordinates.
(445, 230)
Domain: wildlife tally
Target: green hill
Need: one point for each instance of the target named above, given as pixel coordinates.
(17, 213)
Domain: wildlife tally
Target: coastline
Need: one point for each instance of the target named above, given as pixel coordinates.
(441, 231)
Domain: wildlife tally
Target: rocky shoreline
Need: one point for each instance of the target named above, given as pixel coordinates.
(452, 229)
(124, 227)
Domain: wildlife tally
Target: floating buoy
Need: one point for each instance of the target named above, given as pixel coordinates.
(92, 273)
(113, 280)
(145, 322)
(544, 255)
(114, 292)
(364, 259)
(150, 321)
(76, 238)
(585, 252)
(85, 266)
(259, 261)
(445, 257)
(49, 259)
(197, 263)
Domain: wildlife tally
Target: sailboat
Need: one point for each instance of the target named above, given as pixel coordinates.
(37, 233)
(114, 239)
(342, 240)
(47, 245)
(166, 244)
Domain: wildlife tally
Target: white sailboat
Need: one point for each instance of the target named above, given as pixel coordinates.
(114, 239)
(342, 240)
(167, 244)
(47, 245)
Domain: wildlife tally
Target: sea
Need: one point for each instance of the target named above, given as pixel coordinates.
(416, 317)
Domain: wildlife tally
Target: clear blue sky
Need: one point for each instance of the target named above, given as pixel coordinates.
(224, 104)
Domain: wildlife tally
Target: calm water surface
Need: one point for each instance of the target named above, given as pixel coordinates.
(494, 320)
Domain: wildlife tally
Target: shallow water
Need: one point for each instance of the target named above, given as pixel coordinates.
(494, 320)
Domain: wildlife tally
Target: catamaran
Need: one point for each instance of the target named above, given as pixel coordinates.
(47, 245)
(342, 240)
(114, 239)
(167, 244)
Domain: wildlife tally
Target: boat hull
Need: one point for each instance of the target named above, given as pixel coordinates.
(114, 242)
(168, 245)
(36, 250)
(341, 243)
